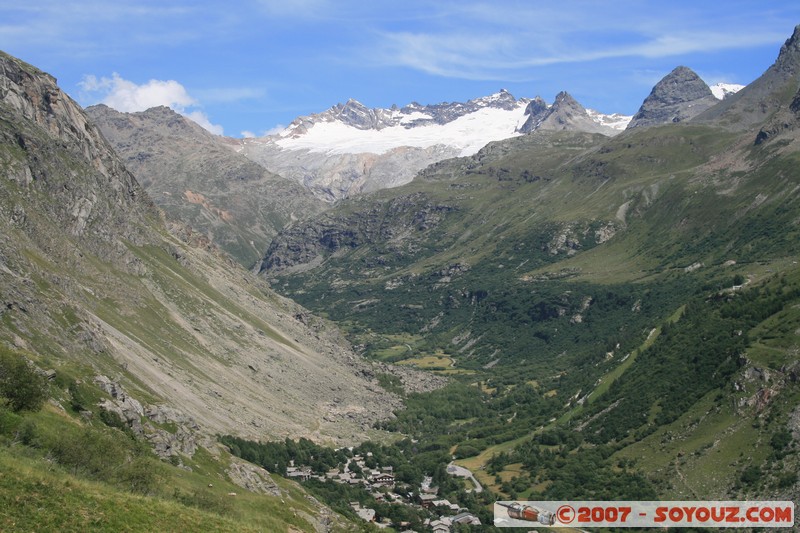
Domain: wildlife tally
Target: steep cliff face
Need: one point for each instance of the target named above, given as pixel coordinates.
(59, 161)
(94, 283)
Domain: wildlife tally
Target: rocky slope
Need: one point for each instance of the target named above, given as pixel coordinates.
(94, 284)
(679, 96)
(749, 108)
(196, 179)
(350, 148)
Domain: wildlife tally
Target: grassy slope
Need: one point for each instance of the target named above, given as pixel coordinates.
(39, 494)
(677, 195)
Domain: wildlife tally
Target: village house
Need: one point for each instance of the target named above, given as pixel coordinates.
(453, 507)
(364, 513)
(466, 518)
(440, 526)
(426, 500)
(300, 474)
(380, 478)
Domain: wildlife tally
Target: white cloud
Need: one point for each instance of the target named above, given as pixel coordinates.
(129, 97)
(202, 119)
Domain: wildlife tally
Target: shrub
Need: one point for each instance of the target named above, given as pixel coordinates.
(141, 475)
(9, 421)
(751, 475)
(20, 385)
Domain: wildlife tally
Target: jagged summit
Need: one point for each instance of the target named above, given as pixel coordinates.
(789, 56)
(536, 106)
(355, 114)
(756, 104)
(351, 148)
(680, 95)
(566, 113)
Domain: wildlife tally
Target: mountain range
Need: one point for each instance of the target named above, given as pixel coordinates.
(590, 270)
(571, 305)
(95, 282)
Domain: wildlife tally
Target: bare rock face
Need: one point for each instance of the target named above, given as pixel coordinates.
(783, 123)
(307, 244)
(566, 114)
(31, 97)
(252, 478)
(679, 96)
(331, 177)
(197, 179)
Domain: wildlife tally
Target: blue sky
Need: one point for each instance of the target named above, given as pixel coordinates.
(253, 65)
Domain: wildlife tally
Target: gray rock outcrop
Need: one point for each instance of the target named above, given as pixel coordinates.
(679, 96)
(566, 114)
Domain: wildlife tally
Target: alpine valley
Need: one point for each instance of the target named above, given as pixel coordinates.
(313, 330)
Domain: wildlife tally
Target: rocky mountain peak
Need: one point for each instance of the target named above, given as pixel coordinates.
(536, 106)
(679, 96)
(92, 204)
(563, 113)
(566, 113)
(501, 100)
(789, 56)
(564, 99)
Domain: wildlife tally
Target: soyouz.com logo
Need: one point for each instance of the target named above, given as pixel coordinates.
(660, 514)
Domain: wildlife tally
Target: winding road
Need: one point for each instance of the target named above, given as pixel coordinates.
(455, 470)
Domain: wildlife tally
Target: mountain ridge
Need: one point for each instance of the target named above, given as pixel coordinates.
(196, 179)
(350, 148)
(753, 105)
(123, 294)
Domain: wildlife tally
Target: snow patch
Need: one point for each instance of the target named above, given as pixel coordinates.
(616, 121)
(721, 90)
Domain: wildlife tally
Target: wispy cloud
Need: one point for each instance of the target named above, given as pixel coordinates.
(96, 27)
(478, 40)
(129, 97)
(471, 56)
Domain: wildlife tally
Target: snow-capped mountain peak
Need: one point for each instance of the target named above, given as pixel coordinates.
(723, 90)
(352, 148)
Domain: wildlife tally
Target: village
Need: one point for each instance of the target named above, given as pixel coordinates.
(379, 482)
